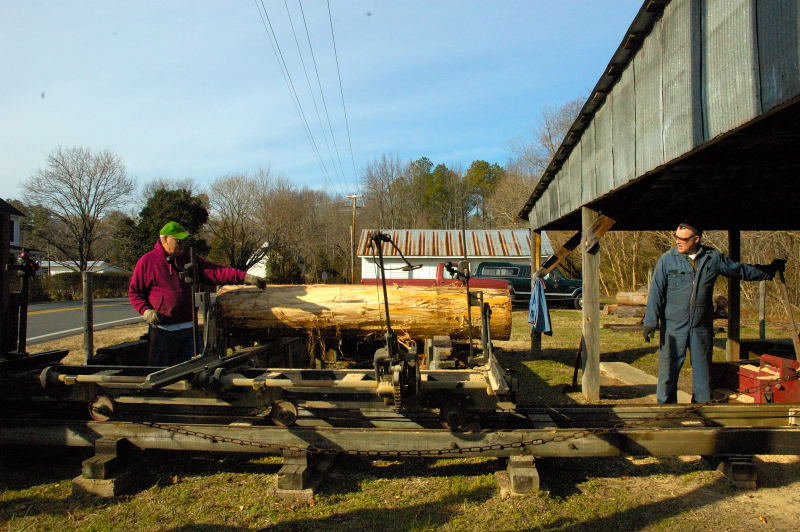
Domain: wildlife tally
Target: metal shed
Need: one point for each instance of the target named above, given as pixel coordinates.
(695, 114)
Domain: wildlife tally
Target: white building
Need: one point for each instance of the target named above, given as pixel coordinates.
(430, 247)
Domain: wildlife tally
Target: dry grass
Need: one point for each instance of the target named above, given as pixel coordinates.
(103, 338)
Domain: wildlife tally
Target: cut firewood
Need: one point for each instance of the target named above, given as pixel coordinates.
(358, 311)
(632, 298)
(629, 311)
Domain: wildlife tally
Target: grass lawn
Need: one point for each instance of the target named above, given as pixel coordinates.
(237, 492)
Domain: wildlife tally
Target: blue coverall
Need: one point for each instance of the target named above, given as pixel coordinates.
(680, 304)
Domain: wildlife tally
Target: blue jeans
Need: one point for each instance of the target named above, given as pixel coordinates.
(699, 341)
(171, 347)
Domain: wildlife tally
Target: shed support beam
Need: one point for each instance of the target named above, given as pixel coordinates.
(536, 263)
(590, 381)
(732, 347)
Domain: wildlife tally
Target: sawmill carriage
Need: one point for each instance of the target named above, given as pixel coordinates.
(411, 395)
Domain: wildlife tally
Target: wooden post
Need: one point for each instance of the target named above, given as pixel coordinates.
(732, 347)
(88, 317)
(762, 310)
(5, 252)
(590, 381)
(536, 263)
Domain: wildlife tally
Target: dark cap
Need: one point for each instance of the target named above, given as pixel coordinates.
(692, 226)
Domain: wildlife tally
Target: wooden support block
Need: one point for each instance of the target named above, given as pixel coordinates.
(301, 475)
(122, 484)
(100, 466)
(106, 474)
(293, 476)
(739, 470)
(522, 475)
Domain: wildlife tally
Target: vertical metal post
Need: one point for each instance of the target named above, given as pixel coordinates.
(22, 340)
(536, 263)
(590, 380)
(762, 310)
(88, 317)
(732, 346)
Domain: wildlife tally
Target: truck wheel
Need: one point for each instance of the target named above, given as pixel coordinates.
(578, 301)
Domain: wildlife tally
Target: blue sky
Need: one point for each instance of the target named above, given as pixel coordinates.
(184, 89)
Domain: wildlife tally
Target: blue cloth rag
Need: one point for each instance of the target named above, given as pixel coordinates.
(538, 313)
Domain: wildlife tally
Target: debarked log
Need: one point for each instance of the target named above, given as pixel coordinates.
(358, 311)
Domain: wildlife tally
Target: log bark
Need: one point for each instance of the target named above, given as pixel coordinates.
(358, 311)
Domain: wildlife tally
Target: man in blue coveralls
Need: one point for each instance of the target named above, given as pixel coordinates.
(680, 305)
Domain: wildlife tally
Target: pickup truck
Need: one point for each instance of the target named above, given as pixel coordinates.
(445, 278)
(557, 287)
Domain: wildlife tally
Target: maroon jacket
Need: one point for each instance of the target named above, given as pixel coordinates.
(155, 284)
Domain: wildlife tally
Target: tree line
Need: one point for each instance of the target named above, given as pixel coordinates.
(83, 206)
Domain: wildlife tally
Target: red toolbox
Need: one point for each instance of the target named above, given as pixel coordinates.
(747, 378)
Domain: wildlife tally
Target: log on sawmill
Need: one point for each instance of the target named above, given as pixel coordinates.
(357, 310)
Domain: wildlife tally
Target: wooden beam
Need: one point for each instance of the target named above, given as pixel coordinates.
(590, 380)
(636, 442)
(732, 347)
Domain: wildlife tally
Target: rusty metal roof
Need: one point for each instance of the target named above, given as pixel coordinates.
(450, 243)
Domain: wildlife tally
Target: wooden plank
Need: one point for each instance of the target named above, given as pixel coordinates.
(732, 346)
(590, 238)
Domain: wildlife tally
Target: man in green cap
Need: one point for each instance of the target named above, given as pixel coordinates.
(164, 299)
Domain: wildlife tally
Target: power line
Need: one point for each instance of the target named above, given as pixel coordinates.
(319, 85)
(341, 91)
(276, 49)
(308, 83)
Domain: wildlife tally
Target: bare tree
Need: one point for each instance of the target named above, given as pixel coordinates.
(533, 156)
(236, 201)
(78, 187)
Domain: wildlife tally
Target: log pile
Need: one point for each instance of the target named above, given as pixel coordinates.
(339, 311)
(629, 304)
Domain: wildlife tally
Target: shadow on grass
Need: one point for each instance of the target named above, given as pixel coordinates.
(349, 471)
(415, 517)
(541, 380)
(567, 474)
(25, 467)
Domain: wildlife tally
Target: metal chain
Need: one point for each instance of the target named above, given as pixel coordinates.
(454, 448)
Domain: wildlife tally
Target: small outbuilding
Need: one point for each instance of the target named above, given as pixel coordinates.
(429, 247)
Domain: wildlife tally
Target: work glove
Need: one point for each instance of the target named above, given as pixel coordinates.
(255, 281)
(648, 332)
(777, 265)
(151, 316)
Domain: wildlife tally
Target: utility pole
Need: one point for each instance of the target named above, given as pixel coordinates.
(354, 198)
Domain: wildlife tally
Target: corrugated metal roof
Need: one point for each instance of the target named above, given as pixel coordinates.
(441, 243)
(640, 28)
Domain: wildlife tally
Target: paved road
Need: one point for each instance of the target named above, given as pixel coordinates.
(48, 321)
